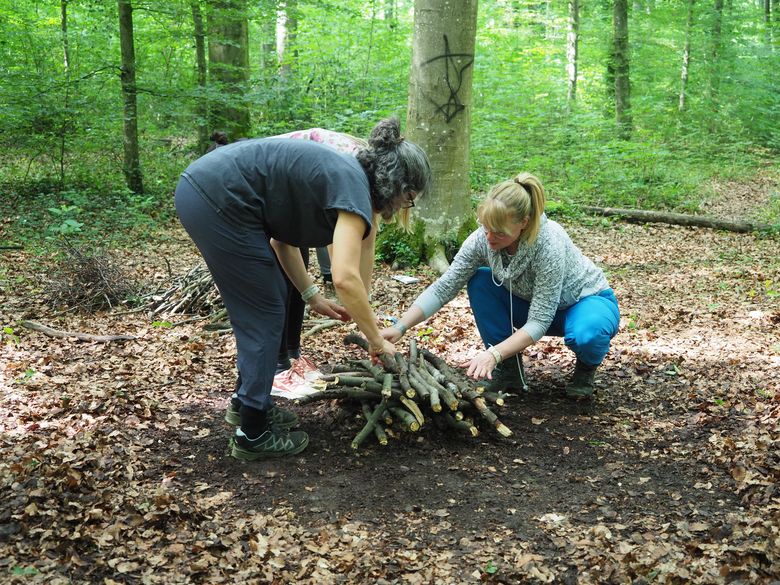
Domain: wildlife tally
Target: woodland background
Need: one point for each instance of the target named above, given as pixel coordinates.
(703, 77)
(112, 455)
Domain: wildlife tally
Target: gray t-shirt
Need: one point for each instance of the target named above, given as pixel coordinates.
(293, 189)
(552, 273)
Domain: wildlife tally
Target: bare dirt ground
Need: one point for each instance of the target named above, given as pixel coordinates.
(114, 466)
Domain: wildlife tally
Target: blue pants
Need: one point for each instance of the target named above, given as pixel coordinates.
(586, 327)
(244, 268)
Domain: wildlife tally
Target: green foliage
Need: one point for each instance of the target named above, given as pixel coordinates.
(60, 173)
(395, 246)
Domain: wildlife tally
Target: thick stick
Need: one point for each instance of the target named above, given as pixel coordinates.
(413, 408)
(445, 394)
(461, 425)
(405, 418)
(424, 390)
(403, 375)
(322, 325)
(387, 361)
(381, 436)
(80, 336)
(337, 393)
(370, 422)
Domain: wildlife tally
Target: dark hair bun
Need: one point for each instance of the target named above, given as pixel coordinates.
(219, 137)
(386, 134)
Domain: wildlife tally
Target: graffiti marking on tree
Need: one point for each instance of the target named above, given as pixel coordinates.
(453, 76)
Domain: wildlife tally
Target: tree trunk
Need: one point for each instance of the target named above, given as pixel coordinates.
(267, 39)
(715, 49)
(621, 66)
(686, 58)
(200, 57)
(286, 31)
(132, 164)
(572, 49)
(64, 29)
(65, 126)
(390, 12)
(229, 66)
(439, 116)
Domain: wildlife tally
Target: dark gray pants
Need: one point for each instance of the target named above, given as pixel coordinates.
(244, 268)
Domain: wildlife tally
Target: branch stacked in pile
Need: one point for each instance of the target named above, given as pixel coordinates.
(194, 293)
(88, 280)
(409, 393)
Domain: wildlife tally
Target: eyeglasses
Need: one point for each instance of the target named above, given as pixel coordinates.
(409, 200)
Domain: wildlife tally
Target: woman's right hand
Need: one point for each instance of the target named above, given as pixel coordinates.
(391, 334)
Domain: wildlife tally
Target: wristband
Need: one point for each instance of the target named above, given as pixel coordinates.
(496, 354)
(309, 293)
(401, 327)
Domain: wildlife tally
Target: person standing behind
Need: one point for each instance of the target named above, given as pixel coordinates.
(525, 279)
(243, 201)
(291, 339)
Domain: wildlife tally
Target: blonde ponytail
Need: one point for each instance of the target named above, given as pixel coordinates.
(513, 201)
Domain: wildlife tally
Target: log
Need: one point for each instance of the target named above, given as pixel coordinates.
(74, 334)
(461, 425)
(379, 432)
(403, 376)
(337, 393)
(411, 405)
(406, 418)
(387, 384)
(445, 394)
(645, 216)
(497, 398)
(387, 361)
(370, 422)
(321, 326)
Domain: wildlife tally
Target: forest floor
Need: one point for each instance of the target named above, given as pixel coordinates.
(113, 465)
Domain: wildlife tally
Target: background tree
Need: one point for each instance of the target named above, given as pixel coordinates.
(572, 49)
(439, 116)
(200, 60)
(65, 126)
(716, 43)
(686, 56)
(132, 161)
(229, 66)
(621, 66)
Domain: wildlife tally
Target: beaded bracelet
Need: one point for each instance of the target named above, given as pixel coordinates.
(496, 355)
(309, 293)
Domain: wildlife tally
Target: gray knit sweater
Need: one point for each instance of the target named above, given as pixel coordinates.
(552, 273)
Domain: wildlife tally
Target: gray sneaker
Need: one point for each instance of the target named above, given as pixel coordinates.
(278, 417)
(271, 444)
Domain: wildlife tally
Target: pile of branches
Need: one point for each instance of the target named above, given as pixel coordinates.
(194, 293)
(406, 394)
(88, 281)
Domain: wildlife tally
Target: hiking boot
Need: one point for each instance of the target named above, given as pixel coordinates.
(507, 375)
(581, 383)
(278, 417)
(273, 443)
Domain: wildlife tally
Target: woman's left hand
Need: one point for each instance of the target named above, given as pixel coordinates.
(482, 365)
(328, 308)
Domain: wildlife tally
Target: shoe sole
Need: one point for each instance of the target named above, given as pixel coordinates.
(234, 418)
(245, 455)
(580, 395)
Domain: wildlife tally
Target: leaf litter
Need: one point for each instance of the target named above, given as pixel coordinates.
(114, 469)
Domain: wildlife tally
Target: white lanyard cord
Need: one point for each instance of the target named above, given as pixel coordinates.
(518, 356)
